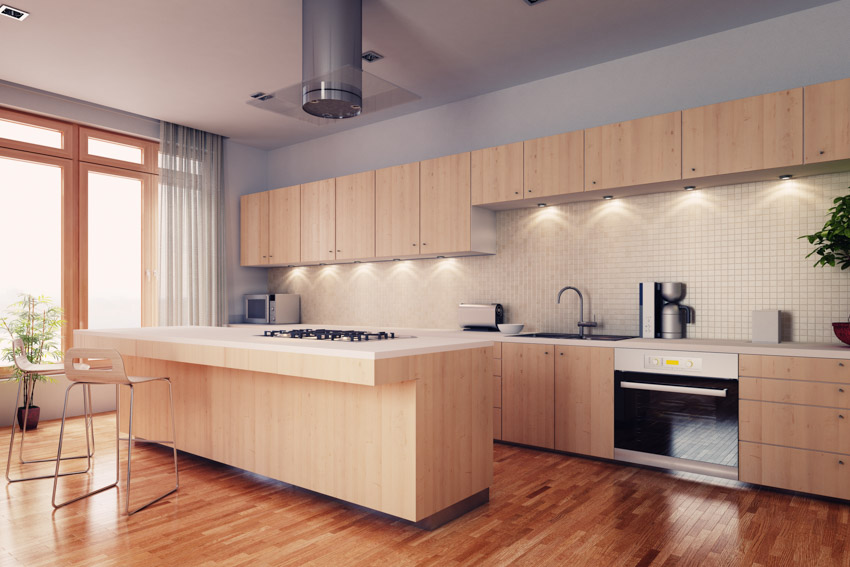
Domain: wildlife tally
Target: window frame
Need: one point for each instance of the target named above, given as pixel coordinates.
(67, 129)
(150, 150)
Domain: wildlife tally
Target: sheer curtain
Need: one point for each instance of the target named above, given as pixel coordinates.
(191, 258)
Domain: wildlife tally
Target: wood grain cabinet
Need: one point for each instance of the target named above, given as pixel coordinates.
(646, 150)
(397, 211)
(584, 400)
(445, 211)
(497, 174)
(827, 121)
(794, 418)
(554, 165)
(528, 394)
(254, 229)
(284, 221)
(355, 216)
(747, 134)
(318, 221)
(497, 391)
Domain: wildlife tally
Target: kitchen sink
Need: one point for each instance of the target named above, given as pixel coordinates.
(576, 336)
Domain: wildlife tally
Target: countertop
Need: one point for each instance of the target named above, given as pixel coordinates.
(806, 350)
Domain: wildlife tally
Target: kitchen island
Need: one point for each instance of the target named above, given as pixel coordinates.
(403, 426)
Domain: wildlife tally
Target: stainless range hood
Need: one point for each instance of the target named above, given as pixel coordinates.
(332, 40)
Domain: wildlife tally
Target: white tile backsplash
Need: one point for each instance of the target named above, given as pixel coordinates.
(736, 247)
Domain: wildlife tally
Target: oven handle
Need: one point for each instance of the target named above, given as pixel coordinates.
(674, 389)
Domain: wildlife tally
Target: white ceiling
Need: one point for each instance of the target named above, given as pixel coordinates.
(195, 62)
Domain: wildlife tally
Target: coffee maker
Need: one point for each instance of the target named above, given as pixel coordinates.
(661, 315)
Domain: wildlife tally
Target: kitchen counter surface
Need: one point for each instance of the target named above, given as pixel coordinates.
(807, 350)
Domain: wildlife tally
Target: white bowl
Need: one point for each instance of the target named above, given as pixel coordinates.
(511, 328)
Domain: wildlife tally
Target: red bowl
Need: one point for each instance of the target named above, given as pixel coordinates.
(842, 331)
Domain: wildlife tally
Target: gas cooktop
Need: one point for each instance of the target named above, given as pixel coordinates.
(331, 335)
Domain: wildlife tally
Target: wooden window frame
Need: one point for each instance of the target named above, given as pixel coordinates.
(68, 130)
(150, 150)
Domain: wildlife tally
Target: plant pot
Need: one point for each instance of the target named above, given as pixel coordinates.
(842, 331)
(32, 417)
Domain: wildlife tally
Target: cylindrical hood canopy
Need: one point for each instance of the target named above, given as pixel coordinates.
(331, 71)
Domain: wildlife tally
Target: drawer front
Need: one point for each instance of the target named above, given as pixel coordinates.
(795, 368)
(826, 474)
(497, 367)
(497, 424)
(497, 350)
(795, 392)
(497, 391)
(802, 427)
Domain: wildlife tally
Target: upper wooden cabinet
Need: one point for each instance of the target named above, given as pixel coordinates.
(497, 174)
(748, 134)
(318, 221)
(827, 121)
(584, 401)
(445, 215)
(284, 222)
(397, 211)
(528, 394)
(554, 165)
(646, 150)
(254, 229)
(355, 216)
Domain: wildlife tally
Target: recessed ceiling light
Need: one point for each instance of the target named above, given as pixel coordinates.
(608, 197)
(13, 13)
(440, 257)
(533, 2)
(785, 177)
(690, 187)
(541, 205)
(371, 56)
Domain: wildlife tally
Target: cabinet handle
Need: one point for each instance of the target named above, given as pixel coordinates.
(840, 462)
(424, 244)
(840, 416)
(528, 191)
(594, 182)
(693, 169)
(562, 354)
(517, 192)
(339, 250)
(821, 152)
(840, 390)
(841, 364)
(263, 256)
(547, 352)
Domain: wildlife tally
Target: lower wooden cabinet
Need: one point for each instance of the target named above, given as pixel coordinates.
(497, 424)
(816, 472)
(584, 400)
(528, 394)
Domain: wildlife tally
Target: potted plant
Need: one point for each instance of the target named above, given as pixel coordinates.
(832, 245)
(38, 324)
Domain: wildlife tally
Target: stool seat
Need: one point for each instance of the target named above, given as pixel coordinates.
(113, 374)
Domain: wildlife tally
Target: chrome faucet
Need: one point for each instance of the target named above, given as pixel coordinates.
(581, 322)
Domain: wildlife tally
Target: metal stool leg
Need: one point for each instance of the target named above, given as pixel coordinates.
(131, 441)
(89, 448)
(59, 454)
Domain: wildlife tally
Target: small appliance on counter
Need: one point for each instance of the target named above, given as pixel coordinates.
(480, 316)
(273, 309)
(661, 315)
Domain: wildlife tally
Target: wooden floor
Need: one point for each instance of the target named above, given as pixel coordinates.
(545, 509)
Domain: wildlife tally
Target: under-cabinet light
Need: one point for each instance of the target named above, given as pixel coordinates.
(608, 197)
(785, 177)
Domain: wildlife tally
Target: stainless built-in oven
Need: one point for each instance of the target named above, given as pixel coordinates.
(677, 410)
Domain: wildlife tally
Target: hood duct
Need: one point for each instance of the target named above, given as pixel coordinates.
(331, 71)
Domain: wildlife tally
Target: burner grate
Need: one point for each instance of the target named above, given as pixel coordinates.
(330, 335)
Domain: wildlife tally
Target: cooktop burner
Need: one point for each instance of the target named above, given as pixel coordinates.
(330, 335)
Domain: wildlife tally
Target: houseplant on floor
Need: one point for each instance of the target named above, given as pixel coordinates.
(832, 245)
(38, 324)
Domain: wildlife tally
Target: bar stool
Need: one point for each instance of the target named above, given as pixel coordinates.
(28, 368)
(117, 376)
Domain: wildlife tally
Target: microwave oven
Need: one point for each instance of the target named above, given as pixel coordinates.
(273, 309)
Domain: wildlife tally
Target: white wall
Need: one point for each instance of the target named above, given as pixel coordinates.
(244, 172)
(799, 49)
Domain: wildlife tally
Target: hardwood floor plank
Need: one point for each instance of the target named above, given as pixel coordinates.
(545, 509)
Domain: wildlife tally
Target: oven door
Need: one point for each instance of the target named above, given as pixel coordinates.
(686, 418)
(257, 308)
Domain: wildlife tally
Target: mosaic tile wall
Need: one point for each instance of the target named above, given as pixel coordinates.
(735, 247)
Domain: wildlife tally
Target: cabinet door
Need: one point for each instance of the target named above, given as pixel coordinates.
(397, 210)
(748, 134)
(554, 165)
(254, 229)
(584, 401)
(444, 209)
(827, 474)
(827, 121)
(285, 225)
(318, 221)
(355, 216)
(528, 394)
(646, 150)
(497, 174)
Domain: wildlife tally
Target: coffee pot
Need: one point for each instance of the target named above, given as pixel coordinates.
(673, 314)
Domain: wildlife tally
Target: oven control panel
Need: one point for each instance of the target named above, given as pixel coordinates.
(693, 364)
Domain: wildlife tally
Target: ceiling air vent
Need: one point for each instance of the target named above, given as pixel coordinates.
(13, 13)
(261, 96)
(533, 2)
